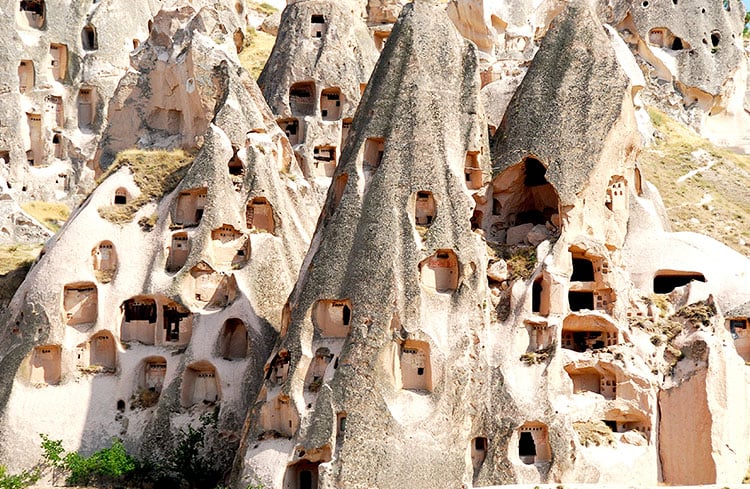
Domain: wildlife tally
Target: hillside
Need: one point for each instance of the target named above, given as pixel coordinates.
(705, 189)
(316, 244)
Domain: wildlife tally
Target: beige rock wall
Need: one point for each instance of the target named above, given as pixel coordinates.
(685, 433)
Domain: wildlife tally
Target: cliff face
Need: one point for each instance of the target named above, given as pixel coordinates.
(491, 296)
(160, 299)
(562, 354)
(167, 99)
(383, 321)
(60, 64)
(314, 79)
(694, 59)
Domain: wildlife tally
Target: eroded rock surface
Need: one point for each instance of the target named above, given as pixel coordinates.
(492, 294)
(141, 317)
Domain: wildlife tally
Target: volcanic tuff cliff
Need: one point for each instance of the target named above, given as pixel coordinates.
(60, 65)
(314, 79)
(391, 285)
(475, 307)
(141, 293)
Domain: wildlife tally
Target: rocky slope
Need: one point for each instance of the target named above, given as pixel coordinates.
(157, 301)
(385, 312)
(492, 294)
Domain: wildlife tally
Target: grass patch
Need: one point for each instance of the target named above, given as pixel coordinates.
(258, 47)
(13, 257)
(714, 201)
(521, 260)
(660, 301)
(262, 7)
(15, 262)
(51, 214)
(594, 433)
(155, 172)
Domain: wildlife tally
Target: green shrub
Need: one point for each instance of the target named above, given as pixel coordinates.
(106, 465)
(17, 481)
(189, 462)
(197, 460)
(53, 451)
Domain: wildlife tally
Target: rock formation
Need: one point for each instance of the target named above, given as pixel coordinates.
(692, 55)
(582, 363)
(507, 37)
(492, 294)
(148, 310)
(60, 69)
(166, 100)
(16, 226)
(314, 79)
(383, 322)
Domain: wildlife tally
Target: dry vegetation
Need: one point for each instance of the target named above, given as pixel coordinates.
(15, 261)
(537, 357)
(146, 398)
(714, 201)
(258, 47)
(51, 214)
(155, 172)
(594, 433)
(13, 257)
(521, 260)
(262, 7)
(699, 313)
(665, 330)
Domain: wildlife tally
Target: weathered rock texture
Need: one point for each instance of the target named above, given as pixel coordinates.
(394, 246)
(584, 338)
(16, 226)
(60, 65)
(692, 55)
(168, 99)
(314, 79)
(135, 329)
(507, 36)
(468, 313)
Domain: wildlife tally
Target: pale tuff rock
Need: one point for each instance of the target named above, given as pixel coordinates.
(314, 79)
(168, 99)
(694, 44)
(132, 332)
(496, 28)
(60, 69)
(271, 23)
(60, 72)
(384, 11)
(382, 322)
(507, 35)
(467, 312)
(16, 226)
(584, 288)
(693, 56)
